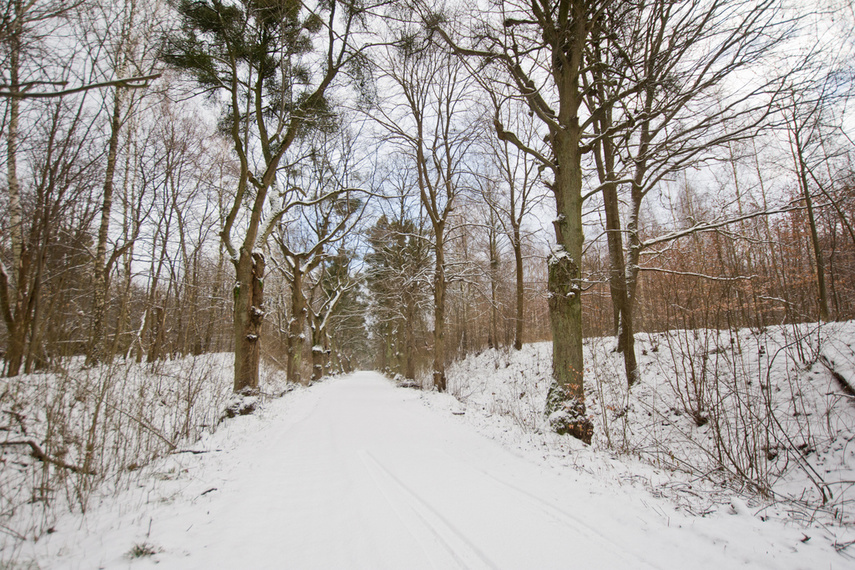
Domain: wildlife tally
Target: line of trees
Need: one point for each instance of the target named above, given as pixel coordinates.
(352, 183)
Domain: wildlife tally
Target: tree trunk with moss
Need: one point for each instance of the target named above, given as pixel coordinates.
(565, 403)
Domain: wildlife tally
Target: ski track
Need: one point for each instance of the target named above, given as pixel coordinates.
(355, 473)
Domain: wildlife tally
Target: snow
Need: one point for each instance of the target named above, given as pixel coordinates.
(356, 473)
(558, 253)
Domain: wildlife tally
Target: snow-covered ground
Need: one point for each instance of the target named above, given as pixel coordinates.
(734, 448)
(356, 473)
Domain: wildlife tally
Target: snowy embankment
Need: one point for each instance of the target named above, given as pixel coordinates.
(756, 422)
(79, 434)
(355, 473)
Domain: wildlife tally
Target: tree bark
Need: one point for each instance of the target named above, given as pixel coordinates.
(319, 352)
(618, 285)
(493, 335)
(822, 290)
(14, 293)
(410, 348)
(565, 403)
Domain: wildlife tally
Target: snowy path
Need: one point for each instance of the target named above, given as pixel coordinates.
(358, 474)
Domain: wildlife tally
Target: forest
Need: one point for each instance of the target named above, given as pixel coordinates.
(280, 191)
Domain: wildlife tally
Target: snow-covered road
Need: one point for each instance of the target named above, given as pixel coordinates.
(355, 473)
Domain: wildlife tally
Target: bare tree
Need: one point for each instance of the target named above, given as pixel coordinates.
(25, 30)
(129, 47)
(335, 281)
(653, 91)
(518, 196)
(307, 234)
(822, 85)
(538, 53)
(428, 119)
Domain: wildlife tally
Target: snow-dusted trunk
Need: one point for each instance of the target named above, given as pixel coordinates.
(249, 315)
(565, 402)
(410, 342)
(320, 350)
(632, 267)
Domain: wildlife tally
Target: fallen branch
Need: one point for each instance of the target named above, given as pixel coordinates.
(39, 454)
(844, 383)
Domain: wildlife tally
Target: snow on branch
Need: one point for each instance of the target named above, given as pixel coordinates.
(127, 82)
(699, 275)
(709, 226)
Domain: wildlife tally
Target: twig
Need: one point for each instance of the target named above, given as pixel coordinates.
(194, 451)
(838, 546)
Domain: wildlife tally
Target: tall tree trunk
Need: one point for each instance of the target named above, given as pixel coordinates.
(296, 326)
(158, 324)
(100, 283)
(128, 257)
(33, 308)
(14, 293)
(617, 266)
(520, 287)
(493, 335)
(439, 285)
(814, 236)
(618, 285)
(319, 352)
(212, 310)
(410, 348)
(248, 315)
(565, 403)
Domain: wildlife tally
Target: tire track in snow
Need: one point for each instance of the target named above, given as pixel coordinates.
(462, 551)
(633, 560)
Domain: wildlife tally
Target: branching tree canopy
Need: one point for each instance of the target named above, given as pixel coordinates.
(272, 66)
(634, 84)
